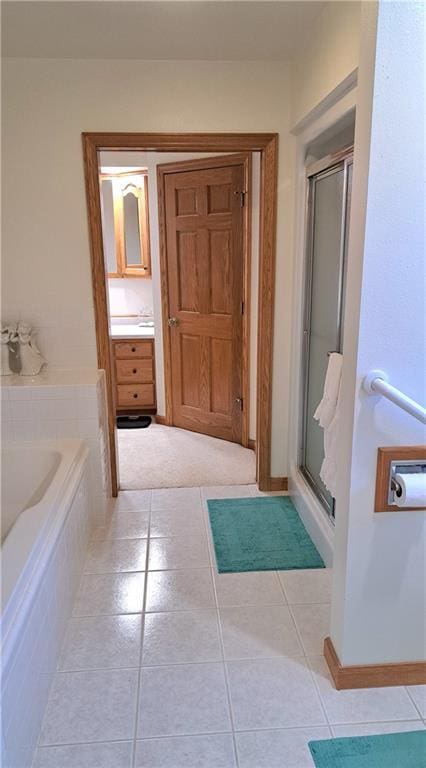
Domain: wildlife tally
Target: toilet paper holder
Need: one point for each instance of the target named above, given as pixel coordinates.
(398, 467)
(390, 462)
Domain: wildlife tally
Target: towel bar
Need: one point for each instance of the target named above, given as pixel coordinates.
(377, 383)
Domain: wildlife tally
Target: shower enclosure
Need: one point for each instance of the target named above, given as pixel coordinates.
(329, 194)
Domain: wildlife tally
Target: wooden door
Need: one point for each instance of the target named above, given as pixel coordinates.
(204, 222)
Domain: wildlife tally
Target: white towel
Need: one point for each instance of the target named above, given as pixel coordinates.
(328, 415)
(329, 467)
(327, 407)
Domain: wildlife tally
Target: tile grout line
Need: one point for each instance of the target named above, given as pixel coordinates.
(228, 733)
(322, 705)
(210, 543)
(299, 637)
(143, 614)
(373, 723)
(222, 647)
(181, 663)
(314, 680)
(299, 634)
(407, 688)
(152, 570)
(181, 610)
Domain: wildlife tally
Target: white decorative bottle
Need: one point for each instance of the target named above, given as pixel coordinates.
(8, 335)
(32, 360)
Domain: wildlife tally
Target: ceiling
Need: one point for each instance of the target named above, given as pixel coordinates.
(181, 29)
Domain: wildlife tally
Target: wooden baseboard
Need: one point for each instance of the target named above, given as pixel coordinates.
(251, 444)
(161, 420)
(274, 484)
(373, 675)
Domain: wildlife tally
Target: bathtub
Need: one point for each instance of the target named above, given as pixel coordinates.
(46, 523)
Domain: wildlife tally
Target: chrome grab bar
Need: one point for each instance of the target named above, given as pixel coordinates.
(377, 383)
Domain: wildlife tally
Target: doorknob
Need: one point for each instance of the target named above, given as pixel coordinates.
(173, 322)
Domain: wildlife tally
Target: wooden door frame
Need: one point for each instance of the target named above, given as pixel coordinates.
(183, 166)
(267, 145)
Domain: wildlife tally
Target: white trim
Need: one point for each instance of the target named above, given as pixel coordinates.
(327, 103)
(314, 518)
(41, 603)
(28, 547)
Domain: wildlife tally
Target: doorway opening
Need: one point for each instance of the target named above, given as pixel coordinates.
(172, 240)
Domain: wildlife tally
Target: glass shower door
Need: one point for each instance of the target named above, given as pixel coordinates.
(328, 215)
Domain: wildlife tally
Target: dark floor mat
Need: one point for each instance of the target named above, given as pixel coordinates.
(133, 422)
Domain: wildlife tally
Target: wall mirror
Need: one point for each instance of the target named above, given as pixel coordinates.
(125, 224)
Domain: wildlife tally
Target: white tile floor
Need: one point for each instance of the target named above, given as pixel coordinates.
(167, 664)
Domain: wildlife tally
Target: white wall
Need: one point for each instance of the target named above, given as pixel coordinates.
(379, 587)
(323, 103)
(130, 295)
(45, 249)
(329, 55)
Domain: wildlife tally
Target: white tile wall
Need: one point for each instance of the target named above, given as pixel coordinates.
(26, 681)
(62, 404)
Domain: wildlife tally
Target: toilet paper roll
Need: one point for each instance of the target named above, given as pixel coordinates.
(413, 490)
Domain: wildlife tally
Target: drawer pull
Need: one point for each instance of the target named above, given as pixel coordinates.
(133, 349)
(136, 395)
(135, 370)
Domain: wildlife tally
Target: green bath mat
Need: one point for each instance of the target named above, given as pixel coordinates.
(260, 534)
(390, 750)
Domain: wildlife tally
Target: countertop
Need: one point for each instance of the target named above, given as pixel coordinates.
(131, 331)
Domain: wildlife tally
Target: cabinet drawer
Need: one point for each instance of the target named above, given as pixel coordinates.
(138, 371)
(131, 349)
(135, 395)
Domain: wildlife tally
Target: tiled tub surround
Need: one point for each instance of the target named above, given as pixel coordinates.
(167, 664)
(61, 405)
(36, 611)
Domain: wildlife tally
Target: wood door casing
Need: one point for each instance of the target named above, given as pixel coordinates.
(205, 269)
(246, 143)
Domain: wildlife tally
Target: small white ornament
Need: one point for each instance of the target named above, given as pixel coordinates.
(32, 360)
(8, 336)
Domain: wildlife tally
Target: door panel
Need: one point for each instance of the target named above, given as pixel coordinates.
(204, 241)
(187, 271)
(190, 352)
(221, 388)
(220, 272)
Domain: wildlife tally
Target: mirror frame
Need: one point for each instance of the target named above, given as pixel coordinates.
(120, 183)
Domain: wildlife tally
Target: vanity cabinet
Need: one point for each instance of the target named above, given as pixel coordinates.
(134, 374)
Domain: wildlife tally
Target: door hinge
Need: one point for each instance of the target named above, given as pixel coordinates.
(242, 307)
(239, 401)
(242, 195)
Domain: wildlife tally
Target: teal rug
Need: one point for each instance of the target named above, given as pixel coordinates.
(390, 750)
(260, 534)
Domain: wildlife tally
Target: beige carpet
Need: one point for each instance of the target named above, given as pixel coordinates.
(167, 457)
